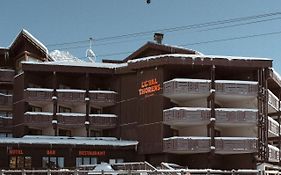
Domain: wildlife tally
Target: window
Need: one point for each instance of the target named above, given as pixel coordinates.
(52, 162)
(34, 108)
(86, 161)
(64, 132)
(19, 162)
(64, 109)
(5, 134)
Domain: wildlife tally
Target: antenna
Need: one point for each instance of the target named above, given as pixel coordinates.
(90, 53)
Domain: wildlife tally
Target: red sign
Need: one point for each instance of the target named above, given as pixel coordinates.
(15, 152)
(149, 86)
(91, 153)
(51, 152)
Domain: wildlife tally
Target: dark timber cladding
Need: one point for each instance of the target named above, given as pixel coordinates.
(160, 104)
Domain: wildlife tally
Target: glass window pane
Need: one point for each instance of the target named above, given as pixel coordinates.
(27, 162)
(60, 162)
(79, 161)
(20, 162)
(52, 162)
(94, 160)
(120, 160)
(112, 161)
(13, 162)
(45, 162)
(86, 160)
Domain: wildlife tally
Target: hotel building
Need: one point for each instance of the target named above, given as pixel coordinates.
(160, 104)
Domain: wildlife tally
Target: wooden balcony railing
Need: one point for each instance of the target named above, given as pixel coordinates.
(38, 119)
(185, 145)
(183, 86)
(6, 101)
(71, 120)
(274, 153)
(102, 98)
(233, 116)
(184, 116)
(38, 94)
(6, 122)
(273, 127)
(71, 95)
(242, 88)
(7, 75)
(273, 102)
(235, 145)
(103, 121)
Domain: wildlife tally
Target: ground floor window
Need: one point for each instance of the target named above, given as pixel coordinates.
(111, 161)
(86, 161)
(52, 162)
(18, 162)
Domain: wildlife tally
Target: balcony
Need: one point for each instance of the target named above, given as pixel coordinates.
(236, 117)
(38, 95)
(228, 90)
(38, 119)
(235, 145)
(186, 89)
(184, 116)
(7, 75)
(71, 96)
(71, 120)
(6, 102)
(103, 121)
(102, 98)
(6, 123)
(273, 102)
(186, 145)
(273, 127)
(273, 153)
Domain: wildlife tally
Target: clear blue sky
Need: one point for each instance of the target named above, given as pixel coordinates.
(60, 21)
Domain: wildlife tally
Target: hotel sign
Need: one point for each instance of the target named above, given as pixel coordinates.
(15, 152)
(91, 153)
(149, 87)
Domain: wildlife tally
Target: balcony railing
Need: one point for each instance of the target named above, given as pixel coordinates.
(103, 121)
(6, 101)
(184, 116)
(7, 75)
(71, 120)
(274, 153)
(234, 116)
(38, 119)
(185, 145)
(102, 98)
(71, 95)
(38, 94)
(240, 88)
(273, 102)
(235, 145)
(273, 127)
(6, 122)
(179, 88)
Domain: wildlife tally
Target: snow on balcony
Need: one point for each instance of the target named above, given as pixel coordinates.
(102, 98)
(38, 94)
(103, 121)
(38, 119)
(235, 116)
(71, 95)
(228, 90)
(235, 145)
(182, 89)
(71, 120)
(185, 145)
(185, 116)
(274, 153)
(273, 102)
(273, 127)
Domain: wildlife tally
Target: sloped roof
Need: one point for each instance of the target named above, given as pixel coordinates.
(161, 48)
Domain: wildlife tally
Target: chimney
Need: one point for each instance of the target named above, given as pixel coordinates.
(158, 37)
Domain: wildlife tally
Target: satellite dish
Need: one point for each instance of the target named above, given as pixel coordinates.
(90, 53)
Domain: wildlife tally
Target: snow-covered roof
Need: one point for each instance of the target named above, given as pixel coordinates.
(184, 48)
(5, 117)
(62, 56)
(64, 140)
(32, 38)
(273, 147)
(38, 113)
(39, 89)
(194, 56)
(81, 64)
(273, 121)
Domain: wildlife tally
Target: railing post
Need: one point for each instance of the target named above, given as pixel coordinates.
(208, 172)
(76, 172)
(48, 172)
(102, 172)
(233, 172)
(1, 172)
(23, 172)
